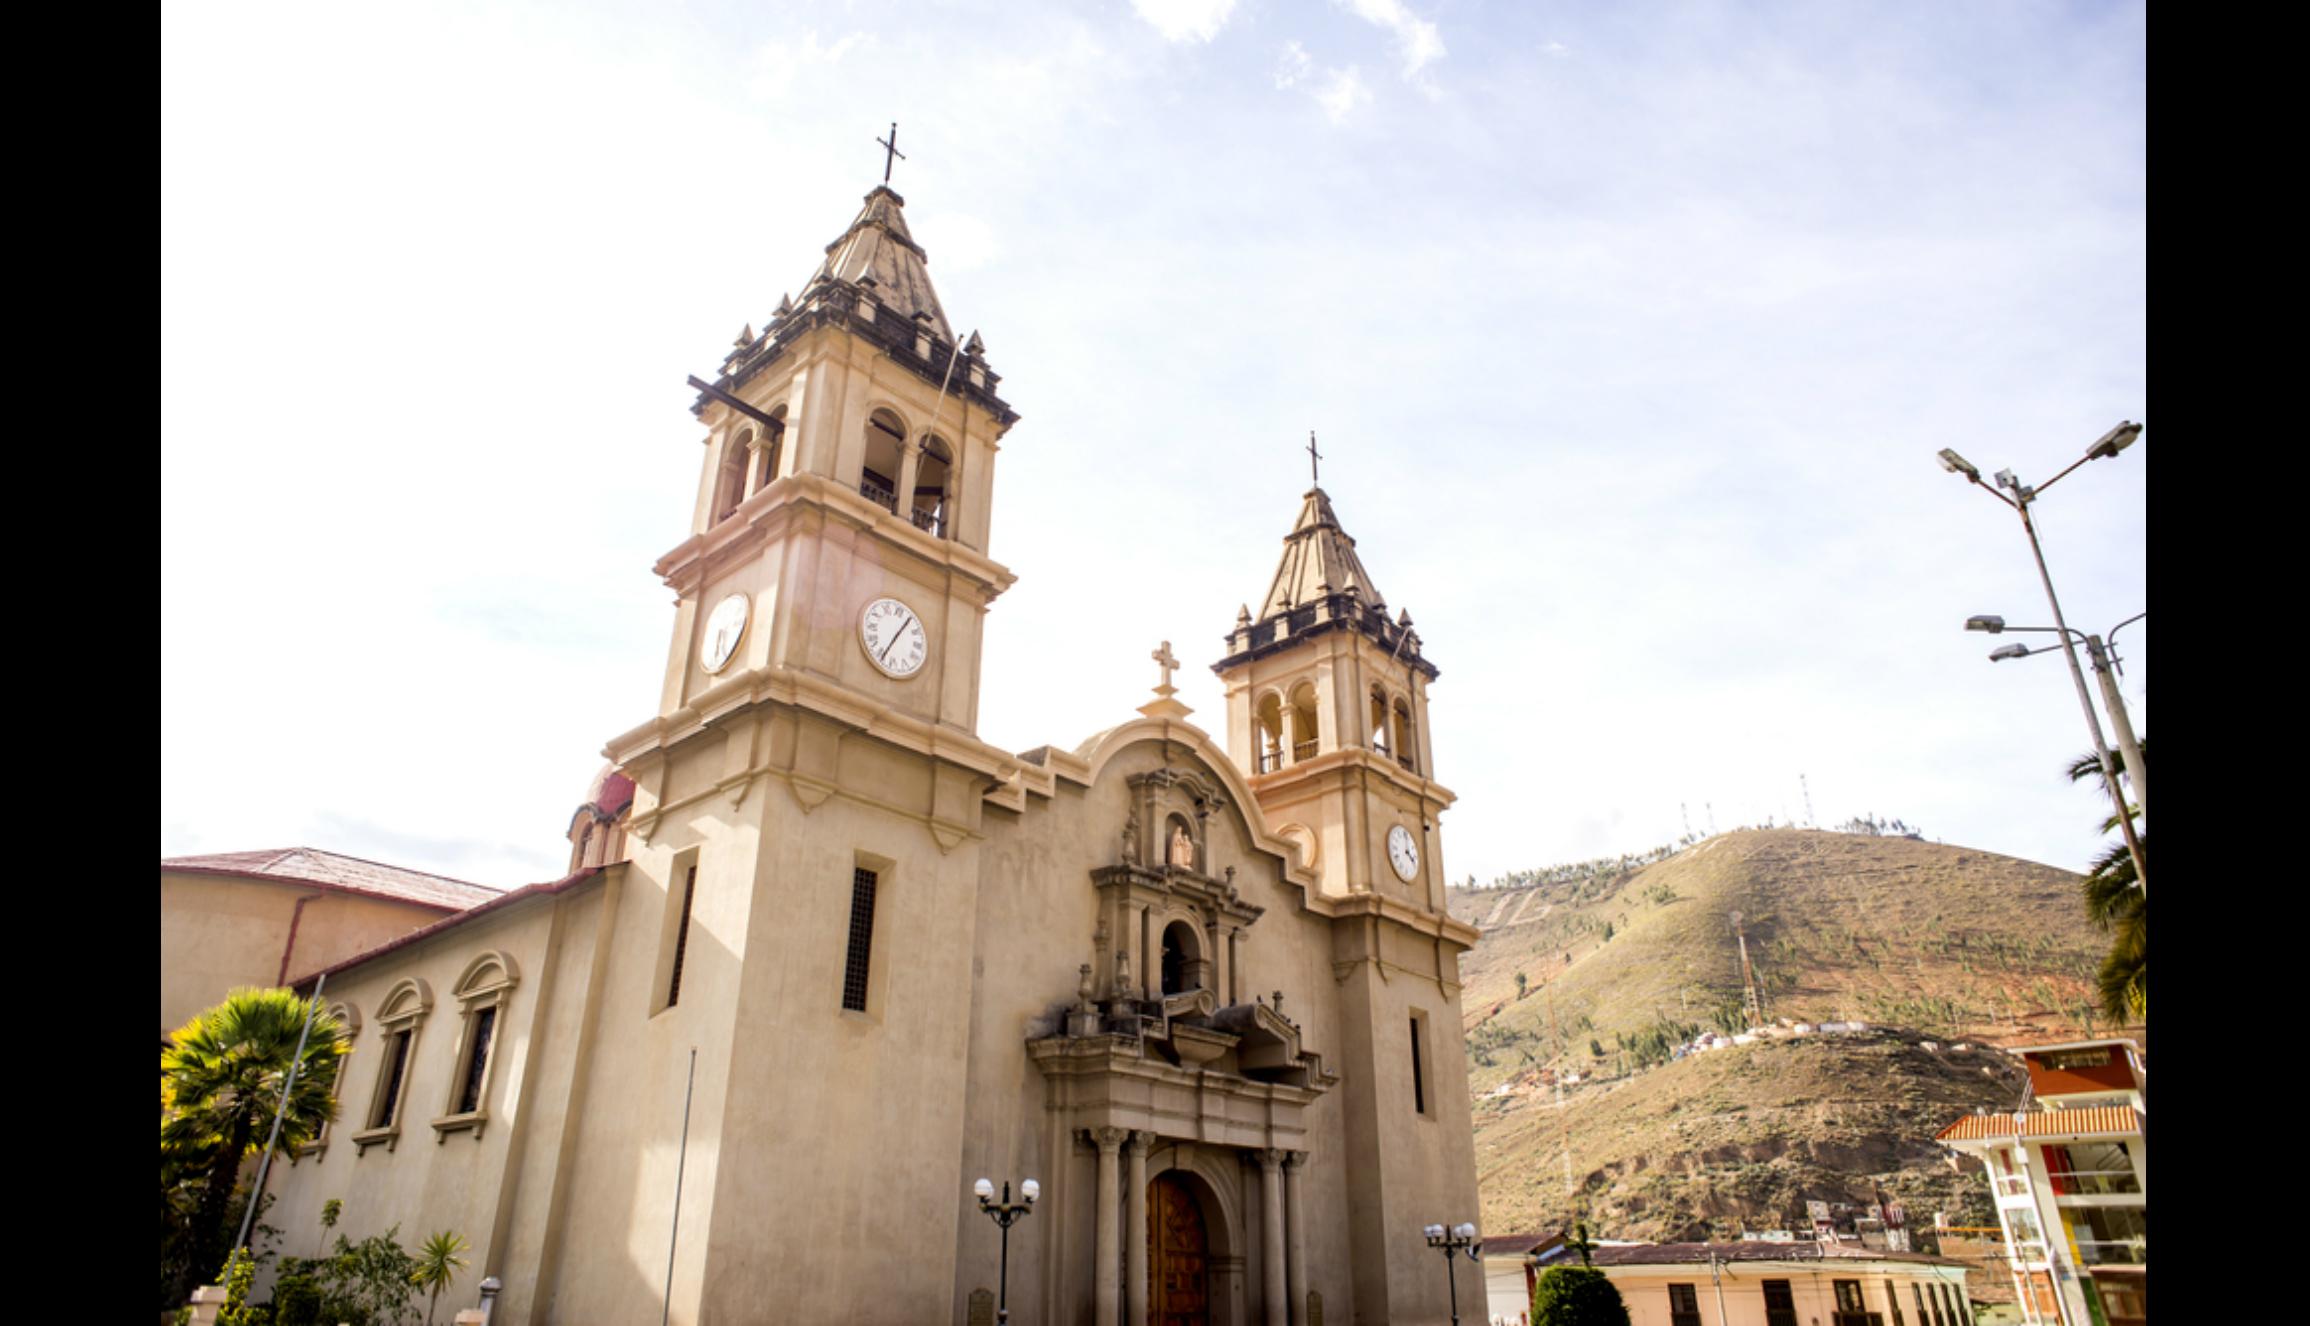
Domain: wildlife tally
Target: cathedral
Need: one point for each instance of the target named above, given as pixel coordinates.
(824, 958)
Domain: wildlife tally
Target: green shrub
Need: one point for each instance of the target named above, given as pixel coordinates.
(1577, 1296)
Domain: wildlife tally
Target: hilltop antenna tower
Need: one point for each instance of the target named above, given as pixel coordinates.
(1807, 789)
(1687, 816)
(1750, 1004)
(1710, 807)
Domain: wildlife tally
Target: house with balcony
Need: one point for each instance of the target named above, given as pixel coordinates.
(2071, 1179)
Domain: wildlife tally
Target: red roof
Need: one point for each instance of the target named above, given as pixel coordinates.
(2095, 1120)
(329, 870)
(1751, 1250)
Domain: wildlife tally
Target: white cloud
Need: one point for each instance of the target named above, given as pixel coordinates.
(1343, 90)
(1417, 40)
(1182, 20)
(1293, 67)
(1556, 49)
(776, 64)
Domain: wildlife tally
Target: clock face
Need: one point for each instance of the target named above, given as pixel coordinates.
(893, 638)
(725, 627)
(1403, 853)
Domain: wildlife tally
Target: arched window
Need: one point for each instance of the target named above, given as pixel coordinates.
(1179, 844)
(766, 451)
(1267, 733)
(1303, 725)
(482, 990)
(1379, 720)
(885, 454)
(399, 1016)
(931, 508)
(1406, 748)
(730, 480)
(1182, 959)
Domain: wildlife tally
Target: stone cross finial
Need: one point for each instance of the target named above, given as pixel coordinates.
(1314, 458)
(1164, 659)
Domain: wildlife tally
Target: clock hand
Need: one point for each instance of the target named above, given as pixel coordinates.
(884, 656)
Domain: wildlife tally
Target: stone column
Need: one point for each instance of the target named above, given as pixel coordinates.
(908, 460)
(1135, 1232)
(1271, 1237)
(1105, 1307)
(1295, 1272)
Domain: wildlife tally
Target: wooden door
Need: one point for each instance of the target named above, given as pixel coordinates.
(1178, 1256)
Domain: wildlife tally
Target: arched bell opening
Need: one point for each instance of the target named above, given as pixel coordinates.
(930, 507)
(1404, 746)
(1268, 731)
(730, 477)
(885, 453)
(1380, 720)
(1303, 724)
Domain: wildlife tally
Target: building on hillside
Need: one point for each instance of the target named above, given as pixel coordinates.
(1754, 1283)
(269, 918)
(2071, 1182)
(824, 957)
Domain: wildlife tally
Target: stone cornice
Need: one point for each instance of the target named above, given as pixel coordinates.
(779, 504)
(1333, 768)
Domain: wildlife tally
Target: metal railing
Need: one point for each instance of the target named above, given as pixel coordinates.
(2093, 1182)
(878, 494)
(1302, 750)
(2114, 1252)
(1270, 761)
(931, 519)
(1405, 759)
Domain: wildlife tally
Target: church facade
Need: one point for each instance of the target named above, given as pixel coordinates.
(824, 957)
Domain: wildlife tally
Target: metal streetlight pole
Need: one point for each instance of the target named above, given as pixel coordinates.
(1005, 1213)
(1458, 1238)
(2107, 667)
(2109, 444)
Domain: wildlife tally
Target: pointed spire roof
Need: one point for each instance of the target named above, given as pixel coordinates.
(1319, 559)
(878, 246)
(1320, 585)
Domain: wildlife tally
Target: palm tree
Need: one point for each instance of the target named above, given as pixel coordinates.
(437, 1265)
(2114, 902)
(221, 1077)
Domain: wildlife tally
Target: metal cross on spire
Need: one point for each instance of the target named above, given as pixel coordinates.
(889, 148)
(1313, 458)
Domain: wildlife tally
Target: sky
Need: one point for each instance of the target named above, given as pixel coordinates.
(1630, 334)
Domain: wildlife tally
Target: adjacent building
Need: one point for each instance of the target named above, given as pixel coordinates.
(1749, 1283)
(2071, 1178)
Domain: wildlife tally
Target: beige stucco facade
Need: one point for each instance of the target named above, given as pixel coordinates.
(231, 925)
(1213, 1008)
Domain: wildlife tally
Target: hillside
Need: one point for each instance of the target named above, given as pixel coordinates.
(1918, 940)
(1744, 1136)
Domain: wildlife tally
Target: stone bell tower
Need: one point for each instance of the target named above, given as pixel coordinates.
(809, 796)
(1327, 711)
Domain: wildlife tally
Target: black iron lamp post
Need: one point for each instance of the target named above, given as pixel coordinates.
(1005, 1213)
(1458, 1238)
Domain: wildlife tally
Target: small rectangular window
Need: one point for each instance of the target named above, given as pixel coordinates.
(389, 1082)
(477, 1060)
(855, 967)
(682, 937)
(1419, 1076)
(1851, 1310)
(1893, 1301)
(1683, 1305)
(1780, 1304)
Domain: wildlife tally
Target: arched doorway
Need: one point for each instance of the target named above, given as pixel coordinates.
(1178, 1254)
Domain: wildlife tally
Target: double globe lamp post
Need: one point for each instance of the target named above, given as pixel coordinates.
(2107, 446)
(1459, 1238)
(1006, 1213)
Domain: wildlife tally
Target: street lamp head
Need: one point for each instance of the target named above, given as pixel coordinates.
(2009, 651)
(1434, 1231)
(1985, 622)
(1466, 1231)
(985, 1188)
(2114, 441)
(1031, 1190)
(1957, 464)
(2006, 480)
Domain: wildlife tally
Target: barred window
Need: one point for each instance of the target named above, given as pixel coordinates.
(854, 969)
(1780, 1304)
(1683, 1305)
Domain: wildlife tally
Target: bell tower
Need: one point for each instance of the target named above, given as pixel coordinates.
(845, 493)
(1327, 712)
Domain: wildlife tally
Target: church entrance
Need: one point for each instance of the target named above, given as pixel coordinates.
(1178, 1255)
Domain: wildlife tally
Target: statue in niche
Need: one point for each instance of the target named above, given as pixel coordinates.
(1182, 853)
(1131, 838)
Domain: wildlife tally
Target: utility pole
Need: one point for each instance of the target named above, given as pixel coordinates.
(1749, 1001)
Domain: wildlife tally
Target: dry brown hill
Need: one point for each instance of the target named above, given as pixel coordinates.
(1931, 941)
